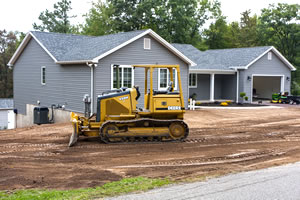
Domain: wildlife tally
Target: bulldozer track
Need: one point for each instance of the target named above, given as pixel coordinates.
(144, 139)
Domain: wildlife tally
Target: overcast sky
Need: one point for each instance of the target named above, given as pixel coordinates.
(18, 15)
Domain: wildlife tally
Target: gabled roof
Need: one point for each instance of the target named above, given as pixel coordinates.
(227, 59)
(6, 104)
(69, 48)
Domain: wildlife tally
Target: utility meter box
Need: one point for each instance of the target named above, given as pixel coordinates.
(40, 115)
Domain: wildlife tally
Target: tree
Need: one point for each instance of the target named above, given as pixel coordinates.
(233, 35)
(99, 20)
(58, 20)
(280, 27)
(248, 30)
(235, 32)
(218, 35)
(175, 20)
(7, 48)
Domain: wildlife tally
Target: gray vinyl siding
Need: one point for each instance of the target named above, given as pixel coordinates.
(65, 85)
(267, 67)
(203, 87)
(3, 119)
(218, 86)
(228, 86)
(135, 53)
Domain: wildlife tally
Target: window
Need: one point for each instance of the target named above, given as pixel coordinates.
(164, 78)
(43, 75)
(193, 80)
(270, 56)
(147, 43)
(126, 76)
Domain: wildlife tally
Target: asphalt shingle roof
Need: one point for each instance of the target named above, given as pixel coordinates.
(221, 59)
(6, 103)
(69, 47)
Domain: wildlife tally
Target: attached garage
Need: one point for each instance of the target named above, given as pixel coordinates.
(264, 86)
(223, 74)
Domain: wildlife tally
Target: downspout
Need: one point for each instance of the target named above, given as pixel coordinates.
(92, 66)
(237, 84)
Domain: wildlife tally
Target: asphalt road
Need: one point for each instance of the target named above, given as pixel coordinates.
(281, 182)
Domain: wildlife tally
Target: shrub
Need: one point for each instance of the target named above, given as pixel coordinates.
(228, 102)
(194, 96)
(242, 94)
(246, 98)
(198, 103)
(224, 104)
(295, 88)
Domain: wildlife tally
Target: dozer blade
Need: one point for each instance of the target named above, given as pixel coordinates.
(73, 139)
(74, 136)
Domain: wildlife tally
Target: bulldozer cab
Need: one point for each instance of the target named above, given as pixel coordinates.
(166, 103)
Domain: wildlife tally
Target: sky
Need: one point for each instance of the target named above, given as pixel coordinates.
(19, 15)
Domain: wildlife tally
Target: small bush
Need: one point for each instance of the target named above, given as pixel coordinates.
(228, 102)
(198, 103)
(246, 98)
(295, 88)
(224, 104)
(242, 94)
(194, 96)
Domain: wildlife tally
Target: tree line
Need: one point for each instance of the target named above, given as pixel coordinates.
(177, 21)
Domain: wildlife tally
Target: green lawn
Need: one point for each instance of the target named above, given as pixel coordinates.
(110, 189)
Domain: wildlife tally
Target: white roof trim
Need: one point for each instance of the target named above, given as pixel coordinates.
(284, 59)
(19, 50)
(22, 46)
(281, 57)
(154, 35)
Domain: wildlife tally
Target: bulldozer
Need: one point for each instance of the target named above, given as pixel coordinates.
(118, 119)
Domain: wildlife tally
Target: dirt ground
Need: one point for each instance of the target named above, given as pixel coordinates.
(220, 142)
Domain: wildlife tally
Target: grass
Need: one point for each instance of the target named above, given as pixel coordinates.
(109, 189)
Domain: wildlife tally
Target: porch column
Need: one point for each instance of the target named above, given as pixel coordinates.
(212, 87)
(237, 85)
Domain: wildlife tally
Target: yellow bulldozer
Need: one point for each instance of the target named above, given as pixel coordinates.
(119, 120)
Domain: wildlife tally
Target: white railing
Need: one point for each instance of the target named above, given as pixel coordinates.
(192, 104)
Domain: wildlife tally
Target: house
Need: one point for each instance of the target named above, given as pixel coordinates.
(7, 115)
(55, 68)
(225, 73)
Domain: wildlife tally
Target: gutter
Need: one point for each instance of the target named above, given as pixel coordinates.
(75, 62)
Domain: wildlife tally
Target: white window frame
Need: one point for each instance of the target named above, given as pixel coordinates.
(193, 86)
(145, 42)
(168, 79)
(270, 55)
(43, 68)
(122, 77)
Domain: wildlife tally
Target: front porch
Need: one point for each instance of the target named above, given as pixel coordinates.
(213, 86)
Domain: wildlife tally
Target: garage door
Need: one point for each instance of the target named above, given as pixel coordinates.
(265, 86)
(3, 119)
